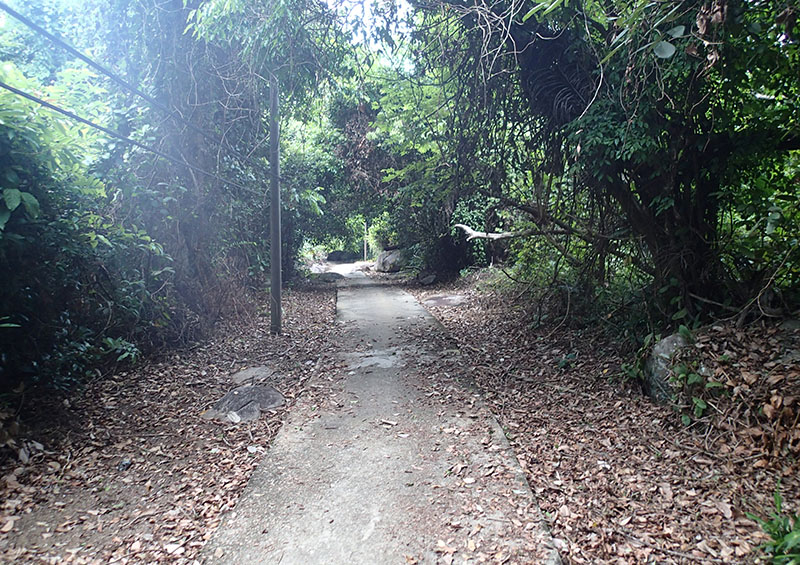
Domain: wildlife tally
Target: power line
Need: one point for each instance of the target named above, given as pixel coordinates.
(117, 135)
(124, 84)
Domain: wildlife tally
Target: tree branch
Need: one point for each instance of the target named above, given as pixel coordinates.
(472, 234)
(494, 236)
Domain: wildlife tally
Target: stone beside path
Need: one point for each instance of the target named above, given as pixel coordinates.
(382, 474)
(244, 404)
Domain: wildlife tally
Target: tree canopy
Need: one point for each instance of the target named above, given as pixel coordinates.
(635, 152)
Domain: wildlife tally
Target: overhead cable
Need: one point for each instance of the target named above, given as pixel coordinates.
(119, 136)
(123, 83)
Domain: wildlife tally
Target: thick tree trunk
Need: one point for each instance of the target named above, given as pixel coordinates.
(680, 237)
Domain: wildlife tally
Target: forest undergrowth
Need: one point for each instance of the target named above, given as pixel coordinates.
(126, 470)
(620, 478)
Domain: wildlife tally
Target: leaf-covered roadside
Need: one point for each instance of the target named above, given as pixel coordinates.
(621, 479)
(128, 471)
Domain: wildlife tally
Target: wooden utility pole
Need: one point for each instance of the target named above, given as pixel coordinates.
(274, 210)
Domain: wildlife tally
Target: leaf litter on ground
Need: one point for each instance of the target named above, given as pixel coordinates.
(620, 478)
(127, 470)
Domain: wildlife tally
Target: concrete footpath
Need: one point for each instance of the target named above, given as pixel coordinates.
(386, 472)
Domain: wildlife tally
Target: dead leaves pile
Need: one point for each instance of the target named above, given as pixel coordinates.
(128, 472)
(752, 410)
(620, 479)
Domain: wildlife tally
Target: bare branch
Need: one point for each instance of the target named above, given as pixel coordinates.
(472, 234)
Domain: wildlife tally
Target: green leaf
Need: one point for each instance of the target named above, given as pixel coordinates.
(664, 49)
(714, 384)
(686, 419)
(677, 31)
(699, 406)
(685, 333)
(682, 313)
(4, 324)
(612, 53)
(552, 7)
(12, 197)
(12, 176)
(694, 378)
(4, 216)
(791, 539)
(31, 205)
(547, 5)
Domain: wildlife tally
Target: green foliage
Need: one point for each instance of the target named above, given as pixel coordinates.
(784, 529)
(296, 41)
(73, 274)
(111, 251)
(319, 207)
(694, 389)
(381, 234)
(30, 51)
(696, 102)
(622, 134)
(635, 369)
(120, 348)
(763, 224)
(649, 149)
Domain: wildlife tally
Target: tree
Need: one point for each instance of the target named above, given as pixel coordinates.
(644, 114)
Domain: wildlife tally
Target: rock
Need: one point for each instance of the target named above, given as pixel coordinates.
(657, 368)
(330, 277)
(790, 325)
(343, 256)
(426, 280)
(391, 261)
(244, 404)
(247, 413)
(124, 465)
(253, 375)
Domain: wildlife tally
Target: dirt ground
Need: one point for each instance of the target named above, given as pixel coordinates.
(621, 479)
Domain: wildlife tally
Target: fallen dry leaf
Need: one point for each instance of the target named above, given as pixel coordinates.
(656, 473)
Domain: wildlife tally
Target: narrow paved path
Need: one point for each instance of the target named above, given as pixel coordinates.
(385, 472)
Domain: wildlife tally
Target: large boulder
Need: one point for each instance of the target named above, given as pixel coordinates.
(343, 256)
(657, 368)
(391, 261)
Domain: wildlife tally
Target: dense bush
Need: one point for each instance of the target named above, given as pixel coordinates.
(79, 287)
